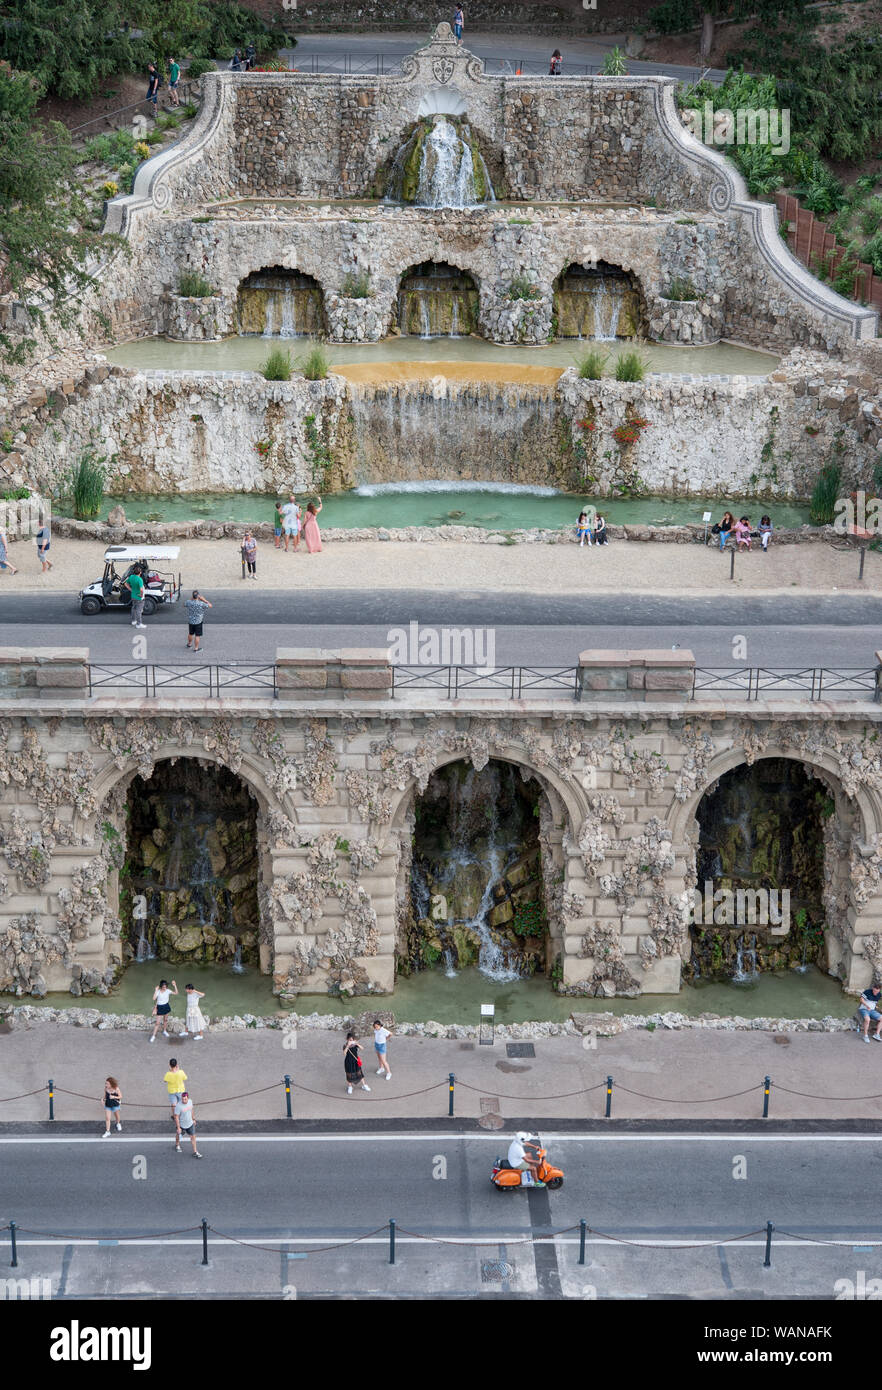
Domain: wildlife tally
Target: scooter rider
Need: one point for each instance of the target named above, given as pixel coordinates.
(519, 1158)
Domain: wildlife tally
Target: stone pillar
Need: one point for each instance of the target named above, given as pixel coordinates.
(353, 673)
(652, 675)
(45, 672)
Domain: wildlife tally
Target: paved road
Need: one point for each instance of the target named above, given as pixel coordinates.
(529, 629)
(306, 1193)
(502, 54)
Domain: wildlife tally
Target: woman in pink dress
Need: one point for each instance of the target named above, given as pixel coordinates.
(311, 533)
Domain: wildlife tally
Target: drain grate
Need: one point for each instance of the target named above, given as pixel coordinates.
(495, 1271)
(520, 1050)
(489, 1105)
(467, 1047)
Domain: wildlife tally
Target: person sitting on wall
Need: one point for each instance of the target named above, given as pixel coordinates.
(724, 527)
(583, 529)
(765, 532)
(868, 1008)
(742, 533)
(601, 535)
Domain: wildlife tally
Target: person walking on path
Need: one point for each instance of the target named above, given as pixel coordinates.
(249, 552)
(153, 87)
(185, 1122)
(311, 533)
(44, 540)
(4, 549)
(556, 65)
(250, 57)
(291, 520)
(112, 1104)
(194, 1022)
(868, 1007)
(174, 77)
(236, 62)
(381, 1037)
(195, 605)
(352, 1065)
(175, 1080)
(278, 525)
(458, 22)
(162, 1007)
(135, 585)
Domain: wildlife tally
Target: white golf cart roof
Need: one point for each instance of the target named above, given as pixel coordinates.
(127, 554)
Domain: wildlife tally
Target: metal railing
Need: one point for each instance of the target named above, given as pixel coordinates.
(505, 682)
(389, 65)
(816, 682)
(187, 92)
(212, 679)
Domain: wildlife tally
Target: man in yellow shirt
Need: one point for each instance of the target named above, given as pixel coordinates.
(176, 1081)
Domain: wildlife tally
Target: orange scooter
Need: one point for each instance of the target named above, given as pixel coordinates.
(509, 1179)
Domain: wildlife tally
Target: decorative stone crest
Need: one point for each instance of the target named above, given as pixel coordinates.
(442, 70)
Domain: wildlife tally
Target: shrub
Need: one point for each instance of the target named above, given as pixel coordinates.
(189, 110)
(356, 285)
(142, 149)
(126, 174)
(680, 290)
(199, 67)
(277, 366)
(316, 364)
(115, 149)
(111, 189)
(590, 364)
(630, 431)
(86, 485)
(631, 366)
(193, 285)
(822, 507)
(614, 63)
(522, 287)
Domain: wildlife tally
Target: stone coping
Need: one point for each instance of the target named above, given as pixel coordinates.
(605, 1024)
(669, 378)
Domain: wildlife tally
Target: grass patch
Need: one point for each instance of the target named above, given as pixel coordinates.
(316, 364)
(277, 366)
(520, 221)
(591, 363)
(356, 285)
(824, 494)
(85, 485)
(193, 285)
(631, 366)
(522, 287)
(680, 290)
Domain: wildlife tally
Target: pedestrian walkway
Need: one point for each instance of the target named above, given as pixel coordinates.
(692, 1074)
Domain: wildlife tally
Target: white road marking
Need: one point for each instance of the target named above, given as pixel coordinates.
(499, 1138)
(517, 1239)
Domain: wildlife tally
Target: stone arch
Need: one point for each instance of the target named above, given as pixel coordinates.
(280, 301)
(437, 298)
(598, 299)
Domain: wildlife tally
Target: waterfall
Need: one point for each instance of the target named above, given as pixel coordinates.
(143, 949)
(237, 967)
(438, 167)
(601, 305)
(608, 296)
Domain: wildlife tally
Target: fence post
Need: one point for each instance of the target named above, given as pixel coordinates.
(391, 1241)
(732, 564)
(451, 1081)
(767, 1262)
(204, 1241)
(51, 1099)
(288, 1095)
(766, 1087)
(14, 1251)
(609, 1086)
(582, 1229)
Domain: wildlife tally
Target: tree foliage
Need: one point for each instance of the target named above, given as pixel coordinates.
(70, 46)
(44, 252)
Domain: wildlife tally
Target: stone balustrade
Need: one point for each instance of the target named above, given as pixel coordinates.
(47, 672)
(657, 675)
(313, 673)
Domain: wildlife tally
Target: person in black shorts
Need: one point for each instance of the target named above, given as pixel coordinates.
(152, 86)
(352, 1064)
(195, 606)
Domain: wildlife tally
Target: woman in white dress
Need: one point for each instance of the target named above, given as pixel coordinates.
(195, 1023)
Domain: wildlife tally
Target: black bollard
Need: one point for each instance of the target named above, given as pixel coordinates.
(609, 1086)
(51, 1099)
(582, 1230)
(14, 1251)
(391, 1241)
(766, 1087)
(767, 1262)
(450, 1084)
(288, 1095)
(204, 1241)
(732, 565)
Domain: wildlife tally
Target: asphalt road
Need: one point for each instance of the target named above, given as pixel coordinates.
(348, 1184)
(529, 629)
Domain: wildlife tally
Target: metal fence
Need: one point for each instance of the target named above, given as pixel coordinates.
(812, 682)
(505, 682)
(212, 679)
(389, 65)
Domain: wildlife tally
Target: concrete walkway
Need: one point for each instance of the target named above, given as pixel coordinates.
(693, 1074)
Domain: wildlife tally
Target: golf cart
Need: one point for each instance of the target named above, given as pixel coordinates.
(120, 561)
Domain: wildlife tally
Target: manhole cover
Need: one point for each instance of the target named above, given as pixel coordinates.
(495, 1271)
(520, 1050)
(467, 1047)
(489, 1105)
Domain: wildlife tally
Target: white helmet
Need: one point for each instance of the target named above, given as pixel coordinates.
(523, 1135)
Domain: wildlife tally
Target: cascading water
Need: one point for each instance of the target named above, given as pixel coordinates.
(437, 300)
(279, 303)
(440, 166)
(600, 304)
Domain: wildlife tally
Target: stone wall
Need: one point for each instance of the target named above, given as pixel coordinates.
(335, 779)
(200, 432)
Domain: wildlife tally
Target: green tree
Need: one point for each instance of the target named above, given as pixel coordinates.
(44, 252)
(174, 28)
(69, 47)
(674, 16)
